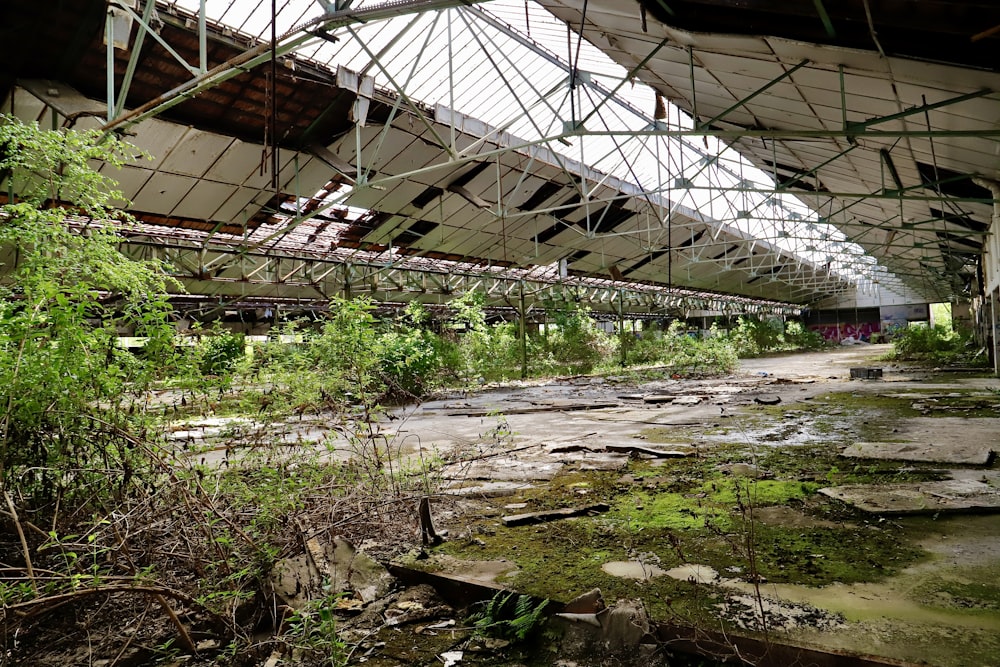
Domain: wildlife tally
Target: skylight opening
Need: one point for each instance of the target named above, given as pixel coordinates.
(506, 63)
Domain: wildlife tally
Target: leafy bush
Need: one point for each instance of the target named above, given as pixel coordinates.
(313, 630)
(752, 336)
(410, 354)
(575, 342)
(937, 344)
(798, 337)
(683, 353)
(486, 352)
(221, 351)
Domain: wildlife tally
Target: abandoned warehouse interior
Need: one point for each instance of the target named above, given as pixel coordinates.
(573, 332)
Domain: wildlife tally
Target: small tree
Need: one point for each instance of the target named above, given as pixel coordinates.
(64, 408)
(577, 342)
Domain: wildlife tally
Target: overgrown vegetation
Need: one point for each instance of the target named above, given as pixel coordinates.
(939, 345)
(69, 390)
(753, 337)
(107, 515)
(106, 520)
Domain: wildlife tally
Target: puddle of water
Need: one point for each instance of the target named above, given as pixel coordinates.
(698, 574)
(632, 569)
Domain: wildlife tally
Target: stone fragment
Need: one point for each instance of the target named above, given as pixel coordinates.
(329, 567)
(357, 571)
(627, 626)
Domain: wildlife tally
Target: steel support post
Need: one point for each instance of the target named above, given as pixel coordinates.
(522, 330)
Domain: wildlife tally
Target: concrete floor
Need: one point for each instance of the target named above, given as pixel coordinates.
(517, 438)
(517, 442)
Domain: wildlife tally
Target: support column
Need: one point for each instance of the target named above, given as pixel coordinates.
(622, 334)
(994, 330)
(522, 334)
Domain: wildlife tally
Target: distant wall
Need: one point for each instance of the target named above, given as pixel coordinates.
(838, 324)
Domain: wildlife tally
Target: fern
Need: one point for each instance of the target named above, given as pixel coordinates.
(508, 617)
(527, 616)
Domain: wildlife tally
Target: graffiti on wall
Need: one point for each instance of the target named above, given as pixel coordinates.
(838, 332)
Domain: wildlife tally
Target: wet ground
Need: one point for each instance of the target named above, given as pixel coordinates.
(786, 502)
(714, 504)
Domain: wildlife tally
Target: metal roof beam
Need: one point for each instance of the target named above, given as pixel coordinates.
(923, 108)
(262, 53)
(745, 100)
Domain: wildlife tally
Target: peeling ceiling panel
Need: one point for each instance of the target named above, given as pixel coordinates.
(195, 153)
(162, 193)
(204, 200)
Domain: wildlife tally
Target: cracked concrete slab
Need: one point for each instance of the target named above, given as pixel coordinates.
(958, 453)
(953, 495)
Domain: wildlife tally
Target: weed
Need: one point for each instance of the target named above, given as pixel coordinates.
(313, 630)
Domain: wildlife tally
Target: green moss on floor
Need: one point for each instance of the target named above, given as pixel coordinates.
(676, 517)
(563, 559)
(710, 502)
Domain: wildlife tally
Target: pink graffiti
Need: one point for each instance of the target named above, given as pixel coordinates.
(838, 332)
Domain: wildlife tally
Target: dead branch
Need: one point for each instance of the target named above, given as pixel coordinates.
(26, 552)
(43, 605)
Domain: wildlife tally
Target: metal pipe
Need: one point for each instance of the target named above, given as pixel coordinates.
(109, 37)
(202, 39)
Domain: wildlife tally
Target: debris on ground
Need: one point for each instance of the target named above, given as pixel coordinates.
(553, 515)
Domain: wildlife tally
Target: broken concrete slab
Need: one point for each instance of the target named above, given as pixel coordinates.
(504, 469)
(446, 573)
(622, 634)
(326, 567)
(553, 515)
(953, 495)
(290, 581)
(649, 451)
(554, 406)
(959, 453)
(590, 602)
(688, 400)
(486, 489)
(659, 398)
(973, 430)
(348, 568)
